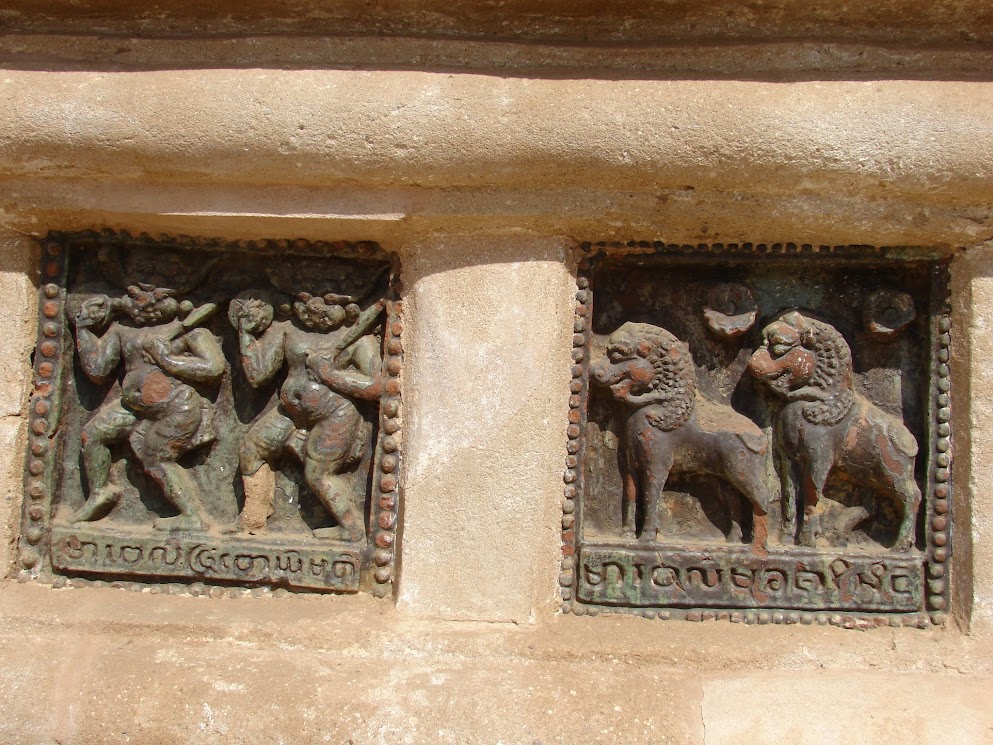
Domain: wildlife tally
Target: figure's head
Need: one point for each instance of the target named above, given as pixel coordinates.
(625, 367)
(324, 313)
(645, 365)
(150, 306)
(798, 352)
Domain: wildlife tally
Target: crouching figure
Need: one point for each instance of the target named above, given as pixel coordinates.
(158, 412)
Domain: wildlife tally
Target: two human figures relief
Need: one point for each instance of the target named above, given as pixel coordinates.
(228, 403)
(836, 469)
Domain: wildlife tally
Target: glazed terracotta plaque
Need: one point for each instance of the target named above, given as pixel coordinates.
(760, 433)
(215, 412)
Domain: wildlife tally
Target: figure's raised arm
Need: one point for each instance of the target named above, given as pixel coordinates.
(263, 357)
(260, 342)
(195, 357)
(363, 381)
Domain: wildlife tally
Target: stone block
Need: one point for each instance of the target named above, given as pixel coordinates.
(12, 434)
(18, 264)
(973, 347)
(17, 269)
(846, 708)
(485, 392)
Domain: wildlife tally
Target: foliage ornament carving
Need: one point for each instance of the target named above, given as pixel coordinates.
(219, 413)
(759, 434)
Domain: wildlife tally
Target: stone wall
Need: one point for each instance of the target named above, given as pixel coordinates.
(485, 185)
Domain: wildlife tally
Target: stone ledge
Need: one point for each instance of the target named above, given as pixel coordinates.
(870, 140)
(362, 626)
(769, 60)
(591, 21)
(399, 217)
(104, 665)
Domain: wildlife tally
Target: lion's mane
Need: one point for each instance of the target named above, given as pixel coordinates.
(674, 378)
(831, 384)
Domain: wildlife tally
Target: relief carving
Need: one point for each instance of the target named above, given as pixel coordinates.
(730, 310)
(215, 412)
(729, 451)
(825, 426)
(330, 366)
(158, 410)
(672, 428)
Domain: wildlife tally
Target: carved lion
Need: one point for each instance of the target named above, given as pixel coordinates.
(671, 428)
(827, 426)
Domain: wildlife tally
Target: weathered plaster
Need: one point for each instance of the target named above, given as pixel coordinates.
(485, 382)
(921, 140)
(18, 259)
(973, 304)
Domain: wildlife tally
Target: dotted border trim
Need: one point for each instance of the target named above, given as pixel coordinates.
(44, 409)
(940, 475)
(386, 506)
(939, 525)
(54, 341)
(576, 434)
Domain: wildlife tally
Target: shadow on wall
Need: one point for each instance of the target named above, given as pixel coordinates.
(657, 39)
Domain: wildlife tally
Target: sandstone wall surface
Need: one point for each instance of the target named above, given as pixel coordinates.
(485, 185)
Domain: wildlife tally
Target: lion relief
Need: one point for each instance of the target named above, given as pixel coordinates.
(827, 427)
(670, 428)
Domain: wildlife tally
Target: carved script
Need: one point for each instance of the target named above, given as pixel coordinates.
(246, 560)
(740, 580)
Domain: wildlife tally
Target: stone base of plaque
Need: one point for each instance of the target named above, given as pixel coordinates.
(617, 574)
(290, 562)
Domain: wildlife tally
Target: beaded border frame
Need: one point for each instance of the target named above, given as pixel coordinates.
(938, 480)
(53, 356)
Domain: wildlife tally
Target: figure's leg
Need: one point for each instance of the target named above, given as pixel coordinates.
(812, 484)
(735, 513)
(788, 477)
(334, 491)
(159, 444)
(629, 499)
(264, 441)
(328, 447)
(260, 495)
(654, 480)
(180, 490)
(111, 423)
(750, 480)
(910, 494)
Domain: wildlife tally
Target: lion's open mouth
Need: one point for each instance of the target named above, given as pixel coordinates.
(761, 365)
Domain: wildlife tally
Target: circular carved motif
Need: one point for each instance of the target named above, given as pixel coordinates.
(887, 313)
(730, 309)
